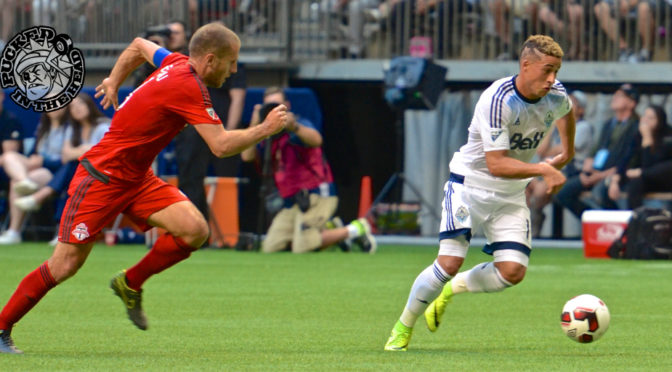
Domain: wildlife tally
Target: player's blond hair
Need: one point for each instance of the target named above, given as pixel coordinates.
(213, 38)
(542, 43)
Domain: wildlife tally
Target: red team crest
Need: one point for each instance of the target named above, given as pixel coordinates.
(81, 232)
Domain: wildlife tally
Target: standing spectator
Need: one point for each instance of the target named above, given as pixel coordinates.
(179, 39)
(304, 180)
(654, 161)
(612, 152)
(29, 173)
(538, 196)
(191, 153)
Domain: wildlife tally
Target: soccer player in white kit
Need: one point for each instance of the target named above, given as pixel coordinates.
(486, 188)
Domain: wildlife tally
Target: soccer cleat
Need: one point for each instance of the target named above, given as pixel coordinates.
(399, 337)
(6, 343)
(25, 187)
(435, 310)
(366, 238)
(27, 203)
(132, 299)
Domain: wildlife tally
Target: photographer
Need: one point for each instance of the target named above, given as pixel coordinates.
(304, 181)
(159, 35)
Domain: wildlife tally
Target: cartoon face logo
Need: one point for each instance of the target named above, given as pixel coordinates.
(45, 69)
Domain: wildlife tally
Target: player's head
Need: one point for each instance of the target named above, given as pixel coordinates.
(215, 49)
(540, 61)
(275, 94)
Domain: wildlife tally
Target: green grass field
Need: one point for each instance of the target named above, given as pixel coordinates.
(241, 311)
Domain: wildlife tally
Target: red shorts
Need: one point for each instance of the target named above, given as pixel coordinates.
(92, 204)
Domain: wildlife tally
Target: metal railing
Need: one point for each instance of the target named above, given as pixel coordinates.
(308, 30)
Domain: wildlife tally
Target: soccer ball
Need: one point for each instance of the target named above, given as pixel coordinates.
(585, 318)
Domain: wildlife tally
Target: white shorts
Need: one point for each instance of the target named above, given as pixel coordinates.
(504, 219)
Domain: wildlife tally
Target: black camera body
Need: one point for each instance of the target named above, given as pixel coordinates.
(160, 30)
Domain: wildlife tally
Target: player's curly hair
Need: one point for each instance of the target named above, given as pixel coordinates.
(544, 44)
(213, 38)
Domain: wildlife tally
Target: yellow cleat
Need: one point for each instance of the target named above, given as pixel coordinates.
(399, 338)
(435, 310)
(132, 300)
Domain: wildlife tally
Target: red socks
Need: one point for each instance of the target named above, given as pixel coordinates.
(31, 289)
(166, 252)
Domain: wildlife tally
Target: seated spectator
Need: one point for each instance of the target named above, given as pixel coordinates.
(654, 160)
(537, 195)
(613, 151)
(29, 173)
(304, 180)
(87, 127)
(611, 15)
(11, 137)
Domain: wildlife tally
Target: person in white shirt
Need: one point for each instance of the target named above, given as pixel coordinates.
(486, 189)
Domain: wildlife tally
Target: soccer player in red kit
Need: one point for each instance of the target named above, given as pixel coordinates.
(115, 175)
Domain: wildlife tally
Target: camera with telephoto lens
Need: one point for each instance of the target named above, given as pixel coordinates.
(265, 110)
(160, 31)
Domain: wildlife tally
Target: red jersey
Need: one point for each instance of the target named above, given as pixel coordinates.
(150, 117)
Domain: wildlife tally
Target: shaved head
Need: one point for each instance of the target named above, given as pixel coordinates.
(213, 38)
(536, 46)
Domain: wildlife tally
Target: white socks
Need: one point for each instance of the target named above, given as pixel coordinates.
(426, 288)
(483, 277)
(353, 231)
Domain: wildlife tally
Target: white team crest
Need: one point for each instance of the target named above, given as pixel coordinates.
(548, 120)
(495, 134)
(461, 214)
(81, 231)
(212, 113)
(517, 121)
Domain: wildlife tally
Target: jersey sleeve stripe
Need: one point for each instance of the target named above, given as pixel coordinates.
(492, 103)
(204, 90)
(498, 109)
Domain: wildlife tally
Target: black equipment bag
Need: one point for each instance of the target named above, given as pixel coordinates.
(647, 236)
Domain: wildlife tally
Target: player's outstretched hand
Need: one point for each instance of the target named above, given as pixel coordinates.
(276, 120)
(108, 91)
(554, 179)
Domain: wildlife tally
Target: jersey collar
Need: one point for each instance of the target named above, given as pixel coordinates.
(532, 101)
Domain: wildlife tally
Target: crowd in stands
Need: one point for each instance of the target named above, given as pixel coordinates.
(623, 30)
(33, 176)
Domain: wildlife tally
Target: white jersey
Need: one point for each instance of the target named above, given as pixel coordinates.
(505, 120)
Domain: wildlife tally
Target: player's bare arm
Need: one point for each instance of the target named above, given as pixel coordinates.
(567, 129)
(501, 165)
(224, 143)
(137, 53)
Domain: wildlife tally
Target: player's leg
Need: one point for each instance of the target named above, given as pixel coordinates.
(64, 263)
(455, 232)
(509, 230)
(81, 220)
(186, 231)
(451, 256)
